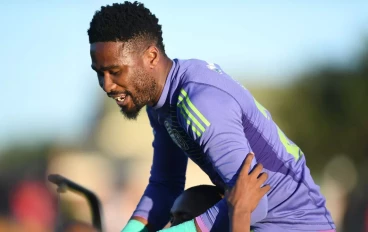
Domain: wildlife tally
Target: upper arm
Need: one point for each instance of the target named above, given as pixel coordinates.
(214, 119)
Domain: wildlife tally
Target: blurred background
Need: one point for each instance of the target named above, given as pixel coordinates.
(305, 61)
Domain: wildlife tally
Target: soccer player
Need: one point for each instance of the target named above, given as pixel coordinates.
(198, 111)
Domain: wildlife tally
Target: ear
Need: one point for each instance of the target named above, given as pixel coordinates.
(152, 55)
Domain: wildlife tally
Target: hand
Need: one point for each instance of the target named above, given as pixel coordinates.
(244, 197)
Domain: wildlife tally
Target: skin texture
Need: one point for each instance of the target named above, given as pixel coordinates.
(244, 197)
(129, 68)
(191, 204)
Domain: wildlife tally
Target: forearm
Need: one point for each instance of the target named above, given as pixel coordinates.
(144, 222)
(217, 218)
(239, 221)
(154, 206)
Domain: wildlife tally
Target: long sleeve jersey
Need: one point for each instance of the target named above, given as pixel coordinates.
(205, 115)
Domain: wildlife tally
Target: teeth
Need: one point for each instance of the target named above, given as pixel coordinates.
(120, 99)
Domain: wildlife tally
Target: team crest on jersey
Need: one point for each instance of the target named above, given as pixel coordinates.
(213, 67)
(175, 136)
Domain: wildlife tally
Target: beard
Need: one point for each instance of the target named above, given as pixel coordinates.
(145, 87)
(132, 113)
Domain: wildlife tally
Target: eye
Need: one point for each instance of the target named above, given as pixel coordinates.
(114, 73)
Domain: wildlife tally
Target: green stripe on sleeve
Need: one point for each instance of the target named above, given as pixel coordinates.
(199, 125)
(195, 110)
(195, 130)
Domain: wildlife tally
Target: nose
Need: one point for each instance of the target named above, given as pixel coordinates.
(107, 83)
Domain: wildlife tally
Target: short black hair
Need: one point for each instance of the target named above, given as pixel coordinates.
(208, 190)
(124, 22)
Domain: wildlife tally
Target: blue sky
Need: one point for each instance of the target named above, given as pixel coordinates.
(48, 89)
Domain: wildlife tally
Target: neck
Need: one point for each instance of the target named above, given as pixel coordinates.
(162, 74)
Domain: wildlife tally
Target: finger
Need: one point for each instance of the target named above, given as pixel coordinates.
(262, 178)
(257, 170)
(246, 165)
(265, 189)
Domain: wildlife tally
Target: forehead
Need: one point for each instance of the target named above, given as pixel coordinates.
(107, 53)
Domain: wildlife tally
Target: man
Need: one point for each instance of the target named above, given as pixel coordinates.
(198, 111)
(193, 202)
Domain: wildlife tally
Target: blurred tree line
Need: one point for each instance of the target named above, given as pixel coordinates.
(325, 112)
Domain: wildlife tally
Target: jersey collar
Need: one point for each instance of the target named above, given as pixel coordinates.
(165, 91)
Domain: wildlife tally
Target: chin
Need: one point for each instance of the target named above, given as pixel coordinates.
(130, 114)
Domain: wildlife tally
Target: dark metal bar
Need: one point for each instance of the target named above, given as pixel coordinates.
(93, 201)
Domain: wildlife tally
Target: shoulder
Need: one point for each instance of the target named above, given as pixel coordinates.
(210, 88)
(205, 97)
(201, 107)
(200, 75)
(198, 70)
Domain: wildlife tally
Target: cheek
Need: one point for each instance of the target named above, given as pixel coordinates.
(138, 81)
(129, 78)
(123, 80)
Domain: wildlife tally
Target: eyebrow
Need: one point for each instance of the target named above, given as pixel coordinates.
(105, 68)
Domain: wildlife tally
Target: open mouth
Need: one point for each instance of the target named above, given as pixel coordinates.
(120, 98)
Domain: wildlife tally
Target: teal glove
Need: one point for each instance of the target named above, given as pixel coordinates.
(134, 226)
(188, 226)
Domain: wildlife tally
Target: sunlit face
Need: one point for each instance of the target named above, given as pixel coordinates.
(124, 76)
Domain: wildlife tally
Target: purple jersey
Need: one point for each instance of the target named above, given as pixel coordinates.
(205, 115)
